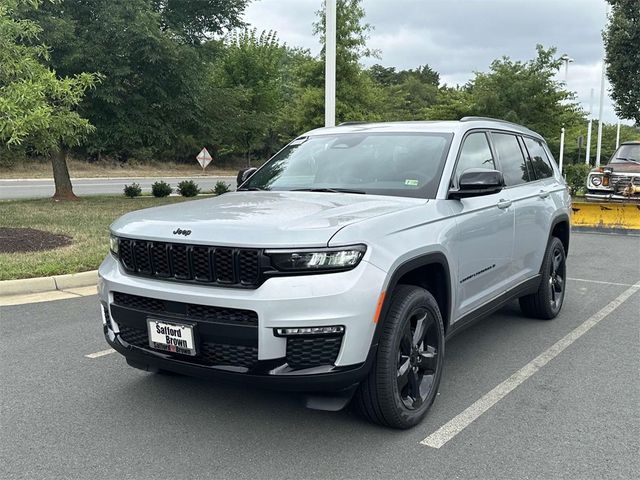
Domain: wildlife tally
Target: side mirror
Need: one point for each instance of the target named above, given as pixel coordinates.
(475, 182)
(244, 174)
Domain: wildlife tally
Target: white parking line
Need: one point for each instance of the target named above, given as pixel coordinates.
(454, 426)
(600, 282)
(101, 354)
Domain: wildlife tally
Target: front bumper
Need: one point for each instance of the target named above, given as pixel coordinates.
(611, 197)
(347, 298)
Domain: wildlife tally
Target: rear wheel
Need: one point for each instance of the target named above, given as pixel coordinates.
(547, 301)
(404, 379)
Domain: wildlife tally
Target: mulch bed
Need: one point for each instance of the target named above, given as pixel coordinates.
(14, 240)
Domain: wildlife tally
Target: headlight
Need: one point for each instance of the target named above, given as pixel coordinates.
(596, 180)
(113, 244)
(317, 259)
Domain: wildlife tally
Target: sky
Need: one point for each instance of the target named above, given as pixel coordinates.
(459, 37)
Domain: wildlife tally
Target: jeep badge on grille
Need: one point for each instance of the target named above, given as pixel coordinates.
(179, 231)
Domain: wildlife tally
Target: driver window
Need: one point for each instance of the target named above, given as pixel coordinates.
(475, 153)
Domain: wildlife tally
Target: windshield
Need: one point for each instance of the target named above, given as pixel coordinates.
(627, 153)
(401, 164)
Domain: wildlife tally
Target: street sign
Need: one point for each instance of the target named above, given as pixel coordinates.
(204, 158)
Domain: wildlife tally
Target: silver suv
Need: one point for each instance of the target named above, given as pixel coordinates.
(341, 266)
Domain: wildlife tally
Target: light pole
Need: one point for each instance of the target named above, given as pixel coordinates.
(604, 67)
(567, 60)
(599, 143)
(589, 128)
(330, 64)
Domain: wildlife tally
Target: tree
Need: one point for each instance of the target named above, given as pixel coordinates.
(358, 97)
(249, 72)
(622, 47)
(37, 108)
(408, 92)
(153, 55)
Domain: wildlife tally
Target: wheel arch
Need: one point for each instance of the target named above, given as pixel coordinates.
(561, 228)
(430, 271)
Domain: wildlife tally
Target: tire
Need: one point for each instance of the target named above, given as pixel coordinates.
(547, 302)
(404, 379)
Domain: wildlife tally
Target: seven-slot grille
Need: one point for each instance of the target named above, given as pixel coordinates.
(237, 267)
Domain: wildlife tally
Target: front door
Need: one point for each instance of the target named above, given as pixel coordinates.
(483, 242)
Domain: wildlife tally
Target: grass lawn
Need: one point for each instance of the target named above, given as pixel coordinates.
(86, 220)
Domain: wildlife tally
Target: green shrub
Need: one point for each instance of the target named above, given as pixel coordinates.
(161, 189)
(576, 176)
(188, 188)
(132, 190)
(221, 188)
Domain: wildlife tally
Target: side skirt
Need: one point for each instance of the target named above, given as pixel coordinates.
(527, 287)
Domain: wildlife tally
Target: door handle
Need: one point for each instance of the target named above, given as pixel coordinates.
(502, 203)
(543, 194)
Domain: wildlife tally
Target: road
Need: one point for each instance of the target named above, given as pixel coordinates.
(15, 189)
(68, 416)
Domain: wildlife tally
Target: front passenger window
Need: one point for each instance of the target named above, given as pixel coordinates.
(475, 153)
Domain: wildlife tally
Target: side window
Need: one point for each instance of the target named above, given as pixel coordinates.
(539, 158)
(512, 161)
(475, 153)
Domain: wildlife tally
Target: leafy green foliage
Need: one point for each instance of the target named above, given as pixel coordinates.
(188, 188)
(622, 47)
(576, 176)
(132, 190)
(179, 74)
(221, 187)
(37, 108)
(161, 189)
(248, 77)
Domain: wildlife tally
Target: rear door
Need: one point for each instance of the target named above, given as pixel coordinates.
(483, 243)
(532, 229)
(527, 185)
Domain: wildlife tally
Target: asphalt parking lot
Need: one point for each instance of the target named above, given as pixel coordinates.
(576, 415)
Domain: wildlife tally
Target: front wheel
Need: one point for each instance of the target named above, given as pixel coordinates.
(404, 379)
(547, 301)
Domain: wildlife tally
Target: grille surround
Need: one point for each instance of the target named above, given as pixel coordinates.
(199, 264)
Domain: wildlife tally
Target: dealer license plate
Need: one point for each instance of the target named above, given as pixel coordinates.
(171, 337)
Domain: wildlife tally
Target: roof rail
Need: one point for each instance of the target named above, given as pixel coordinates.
(490, 119)
(359, 122)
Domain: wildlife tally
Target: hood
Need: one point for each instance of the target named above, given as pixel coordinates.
(259, 219)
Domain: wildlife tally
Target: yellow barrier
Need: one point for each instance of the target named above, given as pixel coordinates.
(623, 217)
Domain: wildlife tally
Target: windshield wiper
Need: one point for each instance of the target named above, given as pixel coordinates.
(253, 189)
(628, 159)
(328, 190)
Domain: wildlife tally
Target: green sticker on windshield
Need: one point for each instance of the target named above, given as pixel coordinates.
(411, 183)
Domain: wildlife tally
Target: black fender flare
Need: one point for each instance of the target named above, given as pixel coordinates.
(398, 273)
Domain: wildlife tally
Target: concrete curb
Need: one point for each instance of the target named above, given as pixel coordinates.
(48, 284)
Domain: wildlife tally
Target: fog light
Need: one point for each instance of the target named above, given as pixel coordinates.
(289, 332)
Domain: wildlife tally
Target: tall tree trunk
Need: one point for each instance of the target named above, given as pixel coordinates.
(64, 189)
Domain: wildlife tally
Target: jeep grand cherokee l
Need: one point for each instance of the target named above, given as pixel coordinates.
(344, 262)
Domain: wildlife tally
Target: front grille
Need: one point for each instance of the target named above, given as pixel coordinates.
(193, 311)
(306, 352)
(235, 355)
(135, 336)
(619, 182)
(208, 353)
(234, 267)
